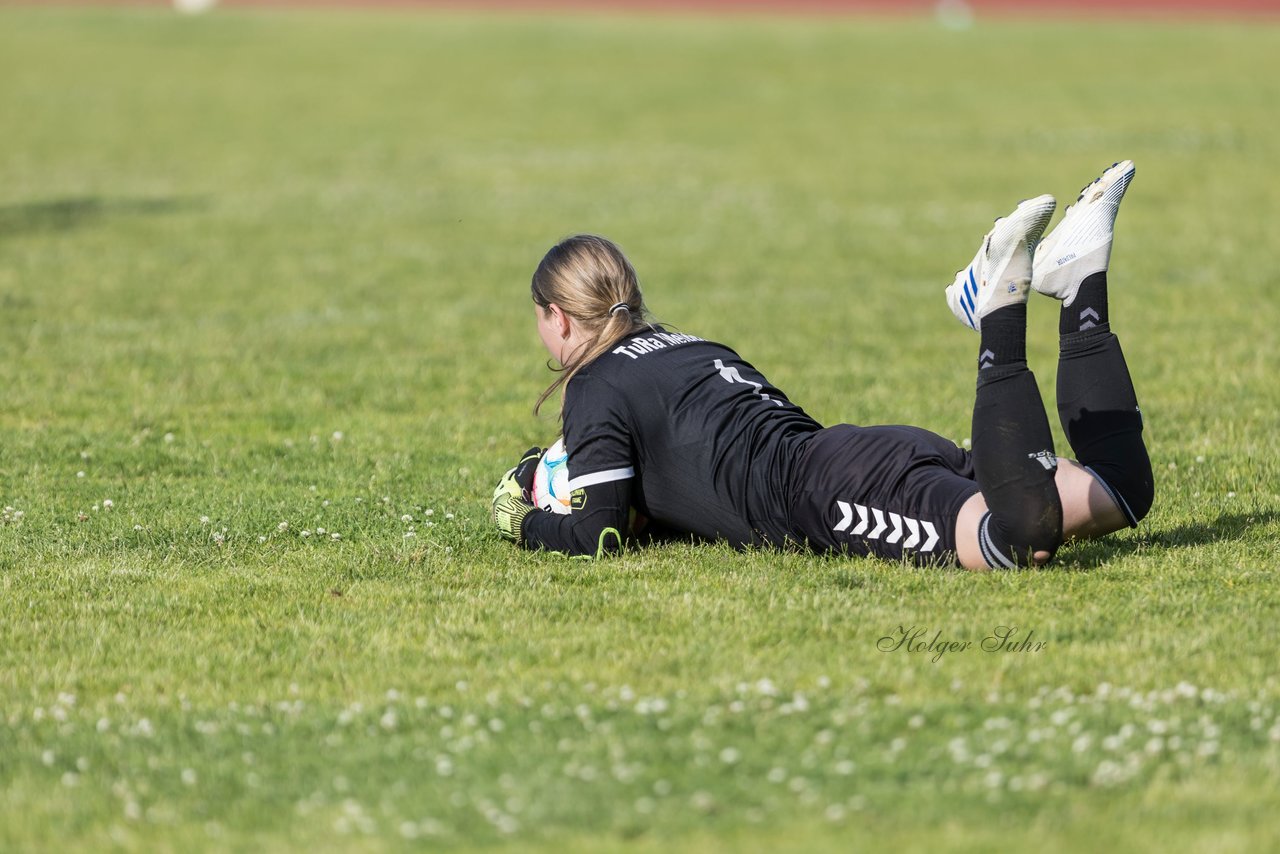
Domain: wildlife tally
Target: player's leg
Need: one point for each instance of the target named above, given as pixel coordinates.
(1017, 517)
(1087, 511)
(890, 491)
(1113, 485)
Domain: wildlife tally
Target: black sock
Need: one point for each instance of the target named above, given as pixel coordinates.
(1100, 415)
(1004, 339)
(1088, 309)
(1013, 447)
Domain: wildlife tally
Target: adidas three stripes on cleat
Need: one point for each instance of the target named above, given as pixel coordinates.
(1000, 274)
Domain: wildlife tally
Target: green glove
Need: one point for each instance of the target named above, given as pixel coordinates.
(511, 497)
(508, 514)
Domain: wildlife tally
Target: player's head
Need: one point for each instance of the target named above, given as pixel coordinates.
(587, 296)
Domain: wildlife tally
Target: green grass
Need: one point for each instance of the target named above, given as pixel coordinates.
(272, 268)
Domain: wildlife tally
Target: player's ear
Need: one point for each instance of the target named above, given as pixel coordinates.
(559, 320)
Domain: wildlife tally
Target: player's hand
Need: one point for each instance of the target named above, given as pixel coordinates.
(511, 496)
(508, 513)
(522, 474)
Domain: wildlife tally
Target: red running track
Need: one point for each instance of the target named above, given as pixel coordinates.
(1179, 8)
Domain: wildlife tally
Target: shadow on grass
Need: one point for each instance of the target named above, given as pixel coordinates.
(58, 215)
(1228, 526)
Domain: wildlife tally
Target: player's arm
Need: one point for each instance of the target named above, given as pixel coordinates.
(597, 435)
(596, 527)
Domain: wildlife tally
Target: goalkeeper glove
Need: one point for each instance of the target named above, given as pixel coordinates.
(511, 497)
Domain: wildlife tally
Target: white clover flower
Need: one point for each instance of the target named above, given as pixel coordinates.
(107, 504)
(406, 518)
(204, 520)
(448, 515)
(320, 531)
(306, 533)
(137, 527)
(335, 535)
(337, 435)
(283, 526)
(79, 474)
(189, 776)
(428, 512)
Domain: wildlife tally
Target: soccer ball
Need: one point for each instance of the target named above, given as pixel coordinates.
(551, 479)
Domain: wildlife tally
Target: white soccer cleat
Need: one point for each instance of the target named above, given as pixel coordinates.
(1000, 274)
(1080, 245)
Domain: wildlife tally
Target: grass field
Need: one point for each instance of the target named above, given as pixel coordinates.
(266, 345)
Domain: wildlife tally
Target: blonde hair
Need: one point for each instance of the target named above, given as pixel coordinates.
(593, 283)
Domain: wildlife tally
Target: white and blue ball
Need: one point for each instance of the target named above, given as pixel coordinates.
(551, 479)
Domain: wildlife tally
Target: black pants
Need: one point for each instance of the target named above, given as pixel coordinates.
(889, 491)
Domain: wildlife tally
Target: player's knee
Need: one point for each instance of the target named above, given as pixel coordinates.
(1029, 539)
(1131, 485)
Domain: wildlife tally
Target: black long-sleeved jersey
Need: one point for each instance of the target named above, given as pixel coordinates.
(687, 433)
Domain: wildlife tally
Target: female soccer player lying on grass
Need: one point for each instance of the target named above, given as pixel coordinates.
(698, 441)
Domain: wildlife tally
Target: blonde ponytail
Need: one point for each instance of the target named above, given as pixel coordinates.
(592, 281)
